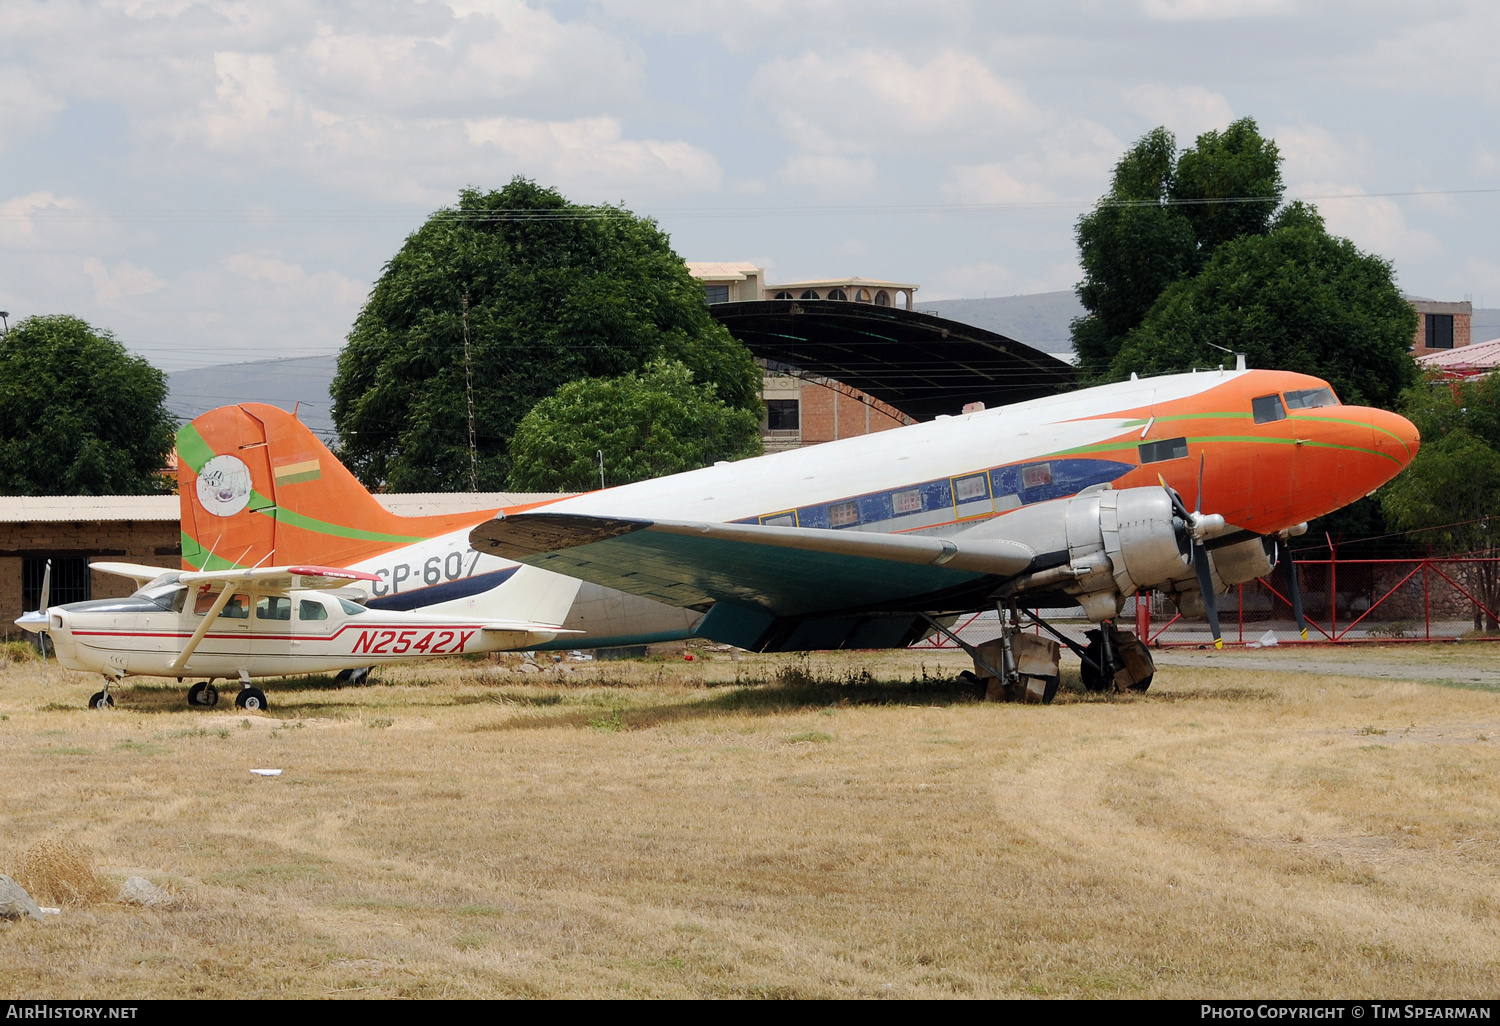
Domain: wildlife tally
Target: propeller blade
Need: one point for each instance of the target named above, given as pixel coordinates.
(1293, 589)
(1206, 586)
(46, 601)
(1198, 506)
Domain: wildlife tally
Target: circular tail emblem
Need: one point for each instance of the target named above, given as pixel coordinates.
(224, 486)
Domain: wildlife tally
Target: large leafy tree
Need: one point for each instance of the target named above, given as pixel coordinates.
(1294, 298)
(1450, 495)
(1162, 220)
(78, 414)
(645, 425)
(505, 298)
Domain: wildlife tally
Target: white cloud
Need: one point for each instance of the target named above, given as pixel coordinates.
(25, 106)
(830, 177)
(125, 279)
(1187, 111)
(1213, 10)
(1376, 224)
(593, 150)
(273, 273)
(867, 101)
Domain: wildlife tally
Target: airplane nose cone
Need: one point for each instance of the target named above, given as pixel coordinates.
(1394, 436)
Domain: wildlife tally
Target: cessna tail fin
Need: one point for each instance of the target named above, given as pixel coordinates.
(257, 487)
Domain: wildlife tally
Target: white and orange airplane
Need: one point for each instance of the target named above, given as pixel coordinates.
(1073, 499)
(873, 541)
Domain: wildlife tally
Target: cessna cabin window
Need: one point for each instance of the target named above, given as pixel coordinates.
(311, 609)
(1166, 449)
(1311, 399)
(273, 607)
(237, 608)
(352, 608)
(1267, 409)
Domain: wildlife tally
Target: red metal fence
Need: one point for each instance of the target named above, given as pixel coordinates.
(1344, 601)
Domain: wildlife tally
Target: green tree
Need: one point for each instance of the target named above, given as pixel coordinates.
(1164, 217)
(1451, 492)
(78, 414)
(647, 425)
(1295, 299)
(544, 292)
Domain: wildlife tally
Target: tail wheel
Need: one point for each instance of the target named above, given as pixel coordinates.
(253, 699)
(102, 700)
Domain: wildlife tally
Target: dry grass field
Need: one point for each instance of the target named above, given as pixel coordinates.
(853, 825)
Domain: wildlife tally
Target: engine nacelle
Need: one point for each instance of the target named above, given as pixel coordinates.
(1117, 542)
(1239, 563)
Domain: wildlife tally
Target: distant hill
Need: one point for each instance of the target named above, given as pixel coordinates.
(283, 383)
(1040, 320)
(1486, 325)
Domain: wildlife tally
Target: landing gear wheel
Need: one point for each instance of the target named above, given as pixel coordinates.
(203, 694)
(102, 700)
(1141, 685)
(355, 676)
(252, 699)
(1093, 680)
(1049, 691)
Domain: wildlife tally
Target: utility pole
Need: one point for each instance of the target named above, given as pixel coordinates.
(600, 453)
(469, 385)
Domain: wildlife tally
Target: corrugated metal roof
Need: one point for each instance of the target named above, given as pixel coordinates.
(87, 508)
(1471, 357)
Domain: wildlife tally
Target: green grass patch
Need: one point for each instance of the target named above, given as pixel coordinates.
(809, 737)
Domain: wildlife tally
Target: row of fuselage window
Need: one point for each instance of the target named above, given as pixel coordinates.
(267, 607)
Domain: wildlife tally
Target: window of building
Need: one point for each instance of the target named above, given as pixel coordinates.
(785, 295)
(882, 298)
(839, 295)
(716, 293)
(782, 415)
(810, 294)
(70, 582)
(1439, 331)
(1163, 450)
(862, 296)
(1267, 409)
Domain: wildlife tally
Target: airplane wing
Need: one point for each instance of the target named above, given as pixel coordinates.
(784, 571)
(282, 578)
(137, 572)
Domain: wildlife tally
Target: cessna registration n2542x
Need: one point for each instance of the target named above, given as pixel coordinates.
(1078, 498)
(257, 488)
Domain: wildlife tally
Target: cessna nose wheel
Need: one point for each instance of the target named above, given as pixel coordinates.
(203, 694)
(253, 699)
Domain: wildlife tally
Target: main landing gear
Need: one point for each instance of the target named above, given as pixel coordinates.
(204, 695)
(1019, 667)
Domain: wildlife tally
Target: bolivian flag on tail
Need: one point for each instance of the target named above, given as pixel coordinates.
(296, 473)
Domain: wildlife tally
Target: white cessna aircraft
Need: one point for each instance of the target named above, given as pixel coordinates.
(269, 621)
(1073, 499)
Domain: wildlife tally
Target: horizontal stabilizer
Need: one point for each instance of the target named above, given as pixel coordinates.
(783, 570)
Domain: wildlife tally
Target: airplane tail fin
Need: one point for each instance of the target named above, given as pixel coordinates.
(258, 487)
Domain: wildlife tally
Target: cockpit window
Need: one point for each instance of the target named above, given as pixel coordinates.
(1268, 409)
(352, 608)
(1311, 399)
(169, 597)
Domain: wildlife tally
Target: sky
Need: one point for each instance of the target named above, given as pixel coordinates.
(218, 182)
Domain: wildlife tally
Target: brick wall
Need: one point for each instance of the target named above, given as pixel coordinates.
(856, 413)
(152, 542)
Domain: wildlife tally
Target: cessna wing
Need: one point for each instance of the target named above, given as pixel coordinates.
(782, 571)
(137, 572)
(282, 578)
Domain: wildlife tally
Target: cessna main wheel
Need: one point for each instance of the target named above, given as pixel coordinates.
(102, 700)
(203, 694)
(253, 699)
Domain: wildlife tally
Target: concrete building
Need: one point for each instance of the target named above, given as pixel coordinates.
(802, 409)
(1441, 326)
